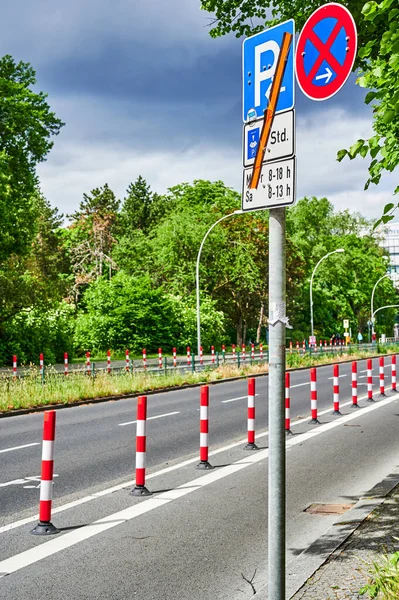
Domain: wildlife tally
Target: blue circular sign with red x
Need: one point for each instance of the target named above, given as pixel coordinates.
(326, 51)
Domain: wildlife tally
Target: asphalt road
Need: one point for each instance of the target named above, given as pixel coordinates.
(203, 543)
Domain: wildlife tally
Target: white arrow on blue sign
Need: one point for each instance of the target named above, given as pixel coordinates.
(259, 60)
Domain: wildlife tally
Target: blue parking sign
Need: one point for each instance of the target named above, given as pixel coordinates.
(259, 60)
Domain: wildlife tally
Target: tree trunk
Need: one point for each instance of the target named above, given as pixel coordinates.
(259, 330)
(239, 331)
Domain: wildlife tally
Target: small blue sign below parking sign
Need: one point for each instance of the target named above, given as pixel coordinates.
(252, 142)
(259, 59)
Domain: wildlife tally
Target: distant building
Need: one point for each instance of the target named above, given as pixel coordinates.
(391, 244)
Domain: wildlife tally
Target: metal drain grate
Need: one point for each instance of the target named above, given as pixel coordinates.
(328, 509)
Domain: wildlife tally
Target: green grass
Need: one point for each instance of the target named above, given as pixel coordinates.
(383, 578)
(29, 391)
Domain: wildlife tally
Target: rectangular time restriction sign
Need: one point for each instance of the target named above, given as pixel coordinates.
(281, 142)
(276, 186)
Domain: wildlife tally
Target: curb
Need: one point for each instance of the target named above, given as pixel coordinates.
(101, 399)
(300, 569)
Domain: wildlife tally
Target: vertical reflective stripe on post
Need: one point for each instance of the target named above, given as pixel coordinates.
(160, 358)
(127, 361)
(88, 363)
(297, 346)
(313, 396)
(382, 377)
(188, 356)
(251, 416)
(287, 403)
(261, 351)
(234, 351)
(41, 362)
(108, 361)
(354, 385)
(370, 380)
(204, 428)
(213, 353)
(174, 357)
(336, 389)
(393, 386)
(325, 343)
(243, 352)
(45, 527)
(14, 366)
(65, 363)
(141, 447)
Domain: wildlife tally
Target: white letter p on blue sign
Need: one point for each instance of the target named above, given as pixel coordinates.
(259, 60)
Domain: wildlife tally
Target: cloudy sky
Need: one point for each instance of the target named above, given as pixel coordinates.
(143, 89)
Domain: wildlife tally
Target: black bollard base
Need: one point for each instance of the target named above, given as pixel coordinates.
(314, 422)
(204, 464)
(370, 400)
(251, 446)
(140, 490)
(44, 528)
(355, 406)
(336, 412)
(383, 395)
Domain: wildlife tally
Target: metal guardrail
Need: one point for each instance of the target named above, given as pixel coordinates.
(182, 366)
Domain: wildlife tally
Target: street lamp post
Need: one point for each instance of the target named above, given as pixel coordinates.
(381, 308)
(311, 284)
(236, 212)
(372, 304)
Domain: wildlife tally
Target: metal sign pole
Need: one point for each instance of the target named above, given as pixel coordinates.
(276, 484)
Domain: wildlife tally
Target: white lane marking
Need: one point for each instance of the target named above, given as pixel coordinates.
(345, 375)
(150, 418)
(186, 463)
(35, 478)
(20, 447)
(300, 384)
(29, 557)
(235, 399)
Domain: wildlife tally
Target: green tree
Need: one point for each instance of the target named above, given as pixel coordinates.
(377, 60)
(27, 124)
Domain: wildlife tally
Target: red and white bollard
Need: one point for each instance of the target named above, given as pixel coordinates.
(201, 356)
(382, 377)
(14, 366)
(393, 386)
(251, 416)
(252, 351)
(354, 385)
(213, 354)
(325, 343)
(287, 404)
(261, 351)
(313, 396)
(204, 428)
(65, 363)
(174, 357)
(330, 344)
(336, 389)
(41, 363)
(370, 380)
(45, 527)
(88, 363)
(127, 360)
(303, 346)
(233, 347)
(321, 345)
(160, 358)
(109, 361)
(243, 355)
(188, 356)
(141, 448)
(297, 346)
(290, 347)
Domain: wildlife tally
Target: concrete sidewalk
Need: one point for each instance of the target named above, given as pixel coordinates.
(346, 571)
(337, 565)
